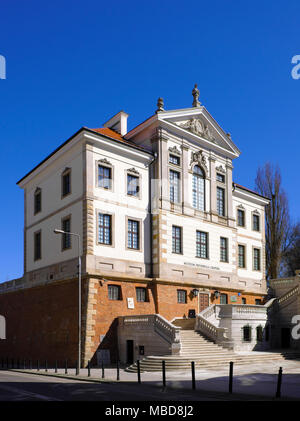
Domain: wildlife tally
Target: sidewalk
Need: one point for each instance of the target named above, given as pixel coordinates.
(252, 379)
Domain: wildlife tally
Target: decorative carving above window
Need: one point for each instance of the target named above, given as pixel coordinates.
(196, 126)
(104, 161)
(240, 207)
(221, 169)
(66, 170)
(174, 150)
(133, 171)
(256, 212)
(37, 190)
(199, 158)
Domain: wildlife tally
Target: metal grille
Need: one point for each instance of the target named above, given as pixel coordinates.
(114, 292)
(141, 294)
(181, 296)
(220, 201)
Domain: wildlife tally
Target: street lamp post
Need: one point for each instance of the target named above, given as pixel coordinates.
(58, 231)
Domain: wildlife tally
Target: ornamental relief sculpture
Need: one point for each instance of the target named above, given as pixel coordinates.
(200, 159)
(196, 126)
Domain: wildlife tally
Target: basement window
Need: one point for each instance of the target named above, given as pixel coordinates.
(246, 333)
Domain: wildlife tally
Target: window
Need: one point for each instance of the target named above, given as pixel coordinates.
(104, 177)
(37, 201)
(173, 159)
(133, 187)
(241, 217)
(259, 333)
(257, 301)
(223, 249)
(37, 245)
(141, 294)
(181, 296)
(244, 301)
(256, 222)
(223, 299)
(220, 178)
(267, 333)
(242, 260)
(114, 292)
(66, 238)
(246, 333)
(220, 201)
(202, 244)
(104, 231)
(66, 182)
(256, 259)
(174, 186)
(198, 188)
(176, 240)
(133, 241)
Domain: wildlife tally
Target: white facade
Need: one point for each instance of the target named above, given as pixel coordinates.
(196, 139)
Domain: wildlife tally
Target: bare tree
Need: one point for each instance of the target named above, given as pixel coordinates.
(278, 224)
(291, 257)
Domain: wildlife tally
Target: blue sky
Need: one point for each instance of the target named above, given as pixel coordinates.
(76, 63)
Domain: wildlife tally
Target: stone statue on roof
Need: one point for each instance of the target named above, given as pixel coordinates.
(196, 93)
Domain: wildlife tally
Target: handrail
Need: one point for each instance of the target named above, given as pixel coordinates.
(161, 326)
(217, 334)
(288, 294)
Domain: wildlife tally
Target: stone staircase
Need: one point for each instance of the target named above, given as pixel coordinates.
(206, 354)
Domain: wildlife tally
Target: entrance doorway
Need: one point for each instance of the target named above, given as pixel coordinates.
(203, 301)
(129, 358)
(285, 337)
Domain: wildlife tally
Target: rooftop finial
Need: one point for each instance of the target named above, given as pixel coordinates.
(160, 105)
(196, 94)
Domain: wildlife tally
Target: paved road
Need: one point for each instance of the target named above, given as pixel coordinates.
(16, 386)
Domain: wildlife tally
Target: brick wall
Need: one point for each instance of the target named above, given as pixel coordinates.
(42, 321)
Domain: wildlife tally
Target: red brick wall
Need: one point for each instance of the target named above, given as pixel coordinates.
(41, 323)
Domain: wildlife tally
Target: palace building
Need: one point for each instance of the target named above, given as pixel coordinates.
(164, 232)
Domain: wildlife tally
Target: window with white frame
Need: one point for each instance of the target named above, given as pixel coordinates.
(221, 201)
(176, 239)
(241, 217)
(104, 177)
(242, 256)
(198, 188)
(104, 229)
(256, 226)
(202, 244)
(256, 259)
(174, 159)
(133, 234)
(133, 186)
(223, 249)
(174, 177)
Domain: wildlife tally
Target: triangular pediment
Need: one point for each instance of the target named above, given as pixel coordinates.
(199, 123)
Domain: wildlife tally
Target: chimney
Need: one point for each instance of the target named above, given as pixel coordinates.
(118, 123)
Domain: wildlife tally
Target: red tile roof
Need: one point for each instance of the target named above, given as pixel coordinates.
(109, 133)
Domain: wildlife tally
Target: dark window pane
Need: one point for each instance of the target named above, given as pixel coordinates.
(202, 244)
(241, 218)
(241, 256)
(173, 159)
(256, 259)
(174, 177)
(181, 296)
(223, 249)
(176, 239)
(220, 178)
(66, 238)
(66, 184)
(223, 299)
(141, 294)
(256, 222)
(37, 202)
(37, 246)
(247, 333)
(114, 292)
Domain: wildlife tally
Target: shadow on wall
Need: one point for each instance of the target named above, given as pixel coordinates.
(2, 327)
(108, 347)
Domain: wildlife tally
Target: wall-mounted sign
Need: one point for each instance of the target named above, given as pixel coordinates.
(233, 298)
(130, 303)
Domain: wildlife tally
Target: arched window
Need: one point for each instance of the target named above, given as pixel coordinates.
(198, 188)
